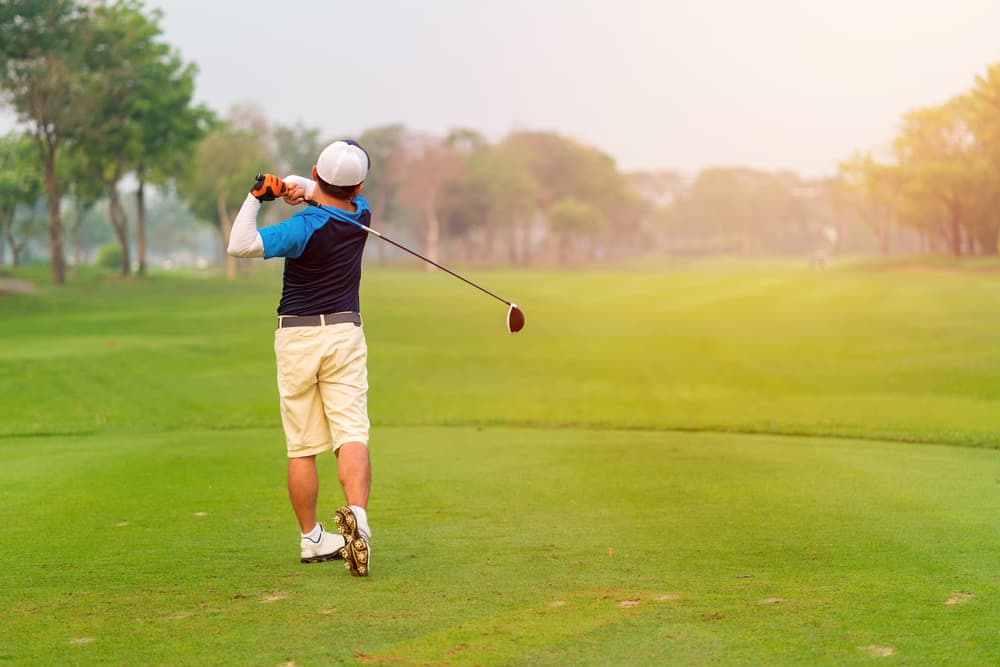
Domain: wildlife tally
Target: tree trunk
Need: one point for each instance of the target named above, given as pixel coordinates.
(8, 237)
(525, 227)
(120, 225)
(377, 215)
(884, 241)
(225, 228)
(75, 233)
(955, 229)
(55, 218)
(18, 247)
(5, 222)
(563, 248)
(140, 226)
(745, 241)
(433, 235)
(988, 241)
(512, 244)
(488, 249)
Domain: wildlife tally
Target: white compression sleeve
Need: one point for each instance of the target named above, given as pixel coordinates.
(306, 184)
(244, 239)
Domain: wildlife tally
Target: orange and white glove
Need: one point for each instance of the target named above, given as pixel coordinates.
(267, 187)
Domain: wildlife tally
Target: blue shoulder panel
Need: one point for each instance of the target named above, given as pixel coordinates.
(289, 238)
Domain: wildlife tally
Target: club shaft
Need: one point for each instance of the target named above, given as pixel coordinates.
(418, 255)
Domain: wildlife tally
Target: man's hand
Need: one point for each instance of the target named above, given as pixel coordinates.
(295, 194)
(268, 186)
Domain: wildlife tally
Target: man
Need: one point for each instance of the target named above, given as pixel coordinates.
(319, 343)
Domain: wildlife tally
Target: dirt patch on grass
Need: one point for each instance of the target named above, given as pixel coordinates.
(12, 286)
(878, 651)
(631, 602)
(959, 597)
(273, 596)
(666, 597)
(80, 641)
(771, 600)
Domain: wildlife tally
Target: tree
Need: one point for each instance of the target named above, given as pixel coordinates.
(653, 212)
(717, 212)
(222, 171)
(563, 168)
(385, 146)
(984, 118)
(19, 185)
(295, 149)
(431, 166)
(119, 41)
(504, 172)
(138, 93)
(85, 188)
(41, 56)
(570, 217)
(872, 189)
(944, 177)
(465, 205)
(169, 126)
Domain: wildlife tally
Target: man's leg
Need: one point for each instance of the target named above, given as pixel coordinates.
(354, 469)
(355, 472)
(303, 489)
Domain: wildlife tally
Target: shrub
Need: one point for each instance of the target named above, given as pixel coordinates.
(110, 256)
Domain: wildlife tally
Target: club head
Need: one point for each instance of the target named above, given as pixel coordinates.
(515, 319)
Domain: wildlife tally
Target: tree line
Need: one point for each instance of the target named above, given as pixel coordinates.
(940, 179)
(106, 113)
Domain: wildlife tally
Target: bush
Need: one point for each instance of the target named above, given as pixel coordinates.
(110, 256)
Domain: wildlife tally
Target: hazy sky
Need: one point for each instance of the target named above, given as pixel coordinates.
(686, 84)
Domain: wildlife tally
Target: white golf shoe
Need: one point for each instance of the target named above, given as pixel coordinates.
(327, 547)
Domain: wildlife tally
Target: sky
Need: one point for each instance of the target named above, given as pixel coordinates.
(656, 84)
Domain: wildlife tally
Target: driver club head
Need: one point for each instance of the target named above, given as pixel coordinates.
(515, 319)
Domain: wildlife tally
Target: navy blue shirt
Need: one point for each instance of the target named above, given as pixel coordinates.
(322, 251)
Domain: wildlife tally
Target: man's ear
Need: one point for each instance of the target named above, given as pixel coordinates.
(358, 189)
(315, 174)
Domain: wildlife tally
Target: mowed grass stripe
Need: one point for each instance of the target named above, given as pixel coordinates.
(907, 356)
(503, 545)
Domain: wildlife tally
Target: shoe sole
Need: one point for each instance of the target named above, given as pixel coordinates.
(355, 552)
(322, 559)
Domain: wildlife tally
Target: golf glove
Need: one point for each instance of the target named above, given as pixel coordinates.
(268, 187)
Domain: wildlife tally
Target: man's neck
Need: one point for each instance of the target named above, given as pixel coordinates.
(325, 200)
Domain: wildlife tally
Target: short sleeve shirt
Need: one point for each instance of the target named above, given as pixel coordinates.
(322, 247)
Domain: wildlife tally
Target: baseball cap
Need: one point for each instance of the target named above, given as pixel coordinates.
(344, 163)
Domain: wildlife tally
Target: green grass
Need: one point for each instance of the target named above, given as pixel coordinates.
(723, 464)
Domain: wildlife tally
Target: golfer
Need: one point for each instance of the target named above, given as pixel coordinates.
(319, 343)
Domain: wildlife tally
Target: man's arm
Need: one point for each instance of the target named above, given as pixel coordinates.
(245, 239)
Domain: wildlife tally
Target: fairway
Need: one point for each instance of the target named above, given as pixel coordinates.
(717, 464)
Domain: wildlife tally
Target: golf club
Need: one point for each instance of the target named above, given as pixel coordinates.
(515, 316)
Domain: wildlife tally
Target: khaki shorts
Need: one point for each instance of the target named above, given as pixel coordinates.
(322, 386)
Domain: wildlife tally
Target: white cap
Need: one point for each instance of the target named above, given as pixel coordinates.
(343, 163)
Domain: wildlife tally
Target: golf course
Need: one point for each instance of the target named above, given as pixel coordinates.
(703, 462)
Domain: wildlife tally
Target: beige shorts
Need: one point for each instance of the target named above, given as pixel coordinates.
(322, 386)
